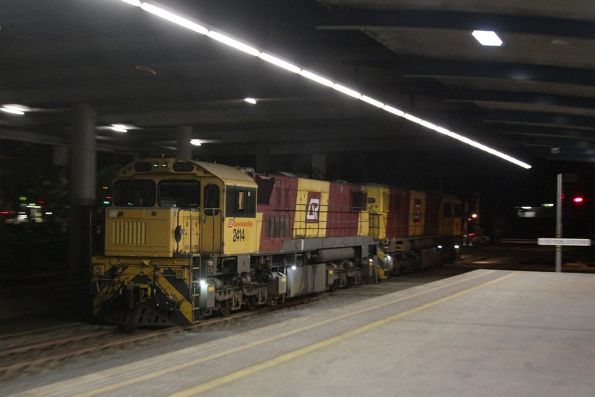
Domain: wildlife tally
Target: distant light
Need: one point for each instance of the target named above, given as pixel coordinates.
(203, 283)
(474, 216)
(578, 199)
(195, 142)
(487, 38)
(547, 205)
(14, 109)
(136, 3)
(250, 100)
(119, 128)
(106, 202)
(526, 207)
(457, 246)
(293, 267)
(439, 247)
(49, 213)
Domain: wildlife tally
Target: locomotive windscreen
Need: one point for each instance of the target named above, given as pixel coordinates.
(180, 193)
(134, 193)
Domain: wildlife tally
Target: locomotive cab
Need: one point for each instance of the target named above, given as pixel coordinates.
(171, 224)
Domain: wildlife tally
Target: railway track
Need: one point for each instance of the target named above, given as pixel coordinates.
(29, 352)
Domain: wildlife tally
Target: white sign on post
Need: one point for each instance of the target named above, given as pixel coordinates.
(580, 242)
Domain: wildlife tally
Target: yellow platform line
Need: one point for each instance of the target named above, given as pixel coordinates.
(324, 343)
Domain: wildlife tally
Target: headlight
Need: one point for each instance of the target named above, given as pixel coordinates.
(439, 247)
(457, 246)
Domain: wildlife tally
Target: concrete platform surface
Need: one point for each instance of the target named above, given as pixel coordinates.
(484, 333)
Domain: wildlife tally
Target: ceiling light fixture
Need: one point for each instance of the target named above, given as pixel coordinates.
(487, 38)
(484, 37)
(119, 128)
(251, 101)
(195, 142)
(18, 110)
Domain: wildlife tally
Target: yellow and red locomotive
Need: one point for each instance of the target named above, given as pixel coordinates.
(185, 239)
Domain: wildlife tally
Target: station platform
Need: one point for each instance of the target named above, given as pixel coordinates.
(486, 332)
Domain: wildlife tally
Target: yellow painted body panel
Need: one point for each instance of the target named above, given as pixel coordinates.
(311, 213)
(378, 204)
(259, 216)
(417, 213)
(229, 175)
(212, 220)
(450, 225)
(240, 236)
(150, 231)
(363, 225)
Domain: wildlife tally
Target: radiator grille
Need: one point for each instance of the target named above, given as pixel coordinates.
(129, 233)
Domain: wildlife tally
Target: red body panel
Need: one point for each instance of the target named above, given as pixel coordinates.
(433, 201)
(398, 216)
(278, 212)
(341, 220)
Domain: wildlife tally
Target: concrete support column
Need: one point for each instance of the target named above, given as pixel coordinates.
(183, 146)
(83, 170)
(319, 166)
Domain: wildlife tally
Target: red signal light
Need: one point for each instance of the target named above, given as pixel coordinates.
(578, 200)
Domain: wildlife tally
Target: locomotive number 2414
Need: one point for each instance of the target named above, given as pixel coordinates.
(239, 235)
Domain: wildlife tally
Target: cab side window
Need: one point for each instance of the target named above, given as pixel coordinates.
(240, 202)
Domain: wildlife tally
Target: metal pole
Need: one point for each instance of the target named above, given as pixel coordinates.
(559, 223)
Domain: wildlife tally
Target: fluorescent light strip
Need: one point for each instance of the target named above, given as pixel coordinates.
(393, 110)
(316, 78)
(248, 49)
(372, 101)
(347, 91)
(178, 20)
(238, 45)
(280, 63)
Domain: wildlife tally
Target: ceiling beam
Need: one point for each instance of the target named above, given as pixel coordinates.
(516, 97)
(428, 67)
(374, 19)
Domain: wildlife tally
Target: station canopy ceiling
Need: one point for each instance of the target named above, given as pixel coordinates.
(533, 97)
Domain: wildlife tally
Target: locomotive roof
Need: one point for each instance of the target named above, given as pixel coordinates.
(229, 175)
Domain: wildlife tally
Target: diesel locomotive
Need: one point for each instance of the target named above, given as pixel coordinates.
(184, 240)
